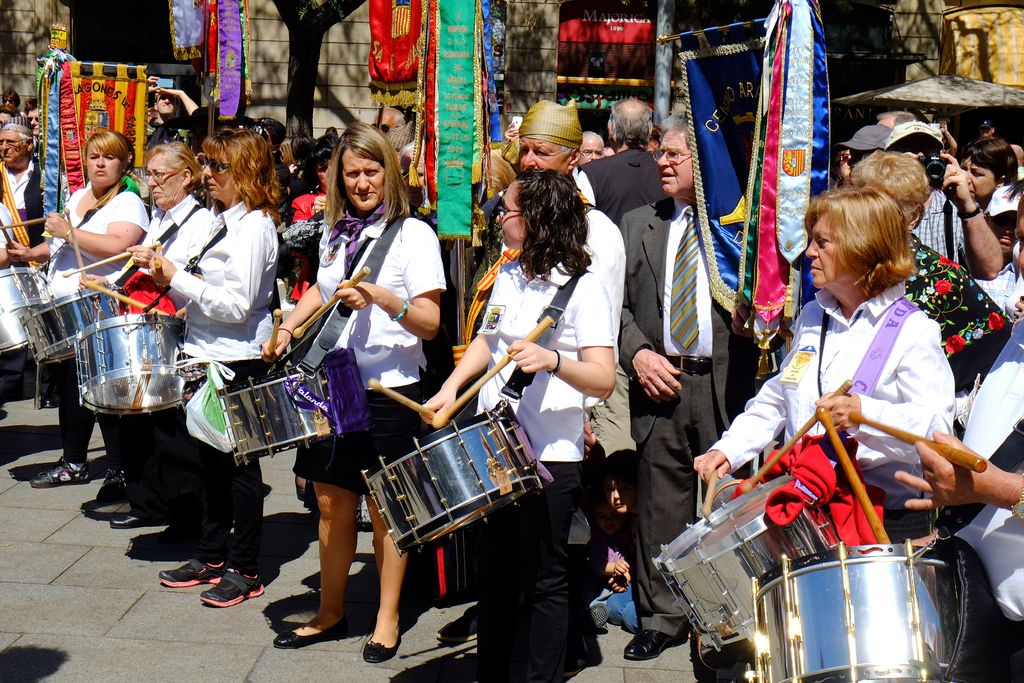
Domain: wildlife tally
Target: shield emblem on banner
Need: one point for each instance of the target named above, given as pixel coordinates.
(793, 161)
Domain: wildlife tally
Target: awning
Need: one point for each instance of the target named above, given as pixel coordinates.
(985, 43)
(946, 95)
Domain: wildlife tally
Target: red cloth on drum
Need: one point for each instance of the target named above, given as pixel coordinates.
(140, 286)
(821, 484)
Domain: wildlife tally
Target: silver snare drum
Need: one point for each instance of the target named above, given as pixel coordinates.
(53, 327)
(710, 565)
(263, 416)
(456, 475)
(21, 286)
(864, 613)
(127, 364)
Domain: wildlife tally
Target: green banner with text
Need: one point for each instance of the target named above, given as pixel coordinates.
(455, 118)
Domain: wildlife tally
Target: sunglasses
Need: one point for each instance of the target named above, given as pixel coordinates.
(213, 164)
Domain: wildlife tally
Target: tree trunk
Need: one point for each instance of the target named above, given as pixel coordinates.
(303, 60)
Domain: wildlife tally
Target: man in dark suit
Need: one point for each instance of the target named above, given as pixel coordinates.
(688, 374)
(630, 177)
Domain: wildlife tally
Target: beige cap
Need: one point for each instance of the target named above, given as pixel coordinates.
(550, 121)
(905, 130)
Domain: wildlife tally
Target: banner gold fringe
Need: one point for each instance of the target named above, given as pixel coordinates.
(394, 94)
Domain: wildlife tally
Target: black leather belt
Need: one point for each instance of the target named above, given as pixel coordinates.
(692, 365)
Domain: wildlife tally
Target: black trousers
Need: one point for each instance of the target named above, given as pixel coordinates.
(525, 550)
(232, 499)
(76, 421)
(12, 374)
(175, 470)
(131, 443)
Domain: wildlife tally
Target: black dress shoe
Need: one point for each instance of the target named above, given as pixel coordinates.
(375, 653)
(49, 402)
(648, 644)
(293, 641)
(130, 521)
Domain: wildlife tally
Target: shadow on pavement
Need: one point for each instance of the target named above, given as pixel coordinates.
(29, 664)
(21, 440)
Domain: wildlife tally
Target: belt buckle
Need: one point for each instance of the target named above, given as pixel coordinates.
(682, 366)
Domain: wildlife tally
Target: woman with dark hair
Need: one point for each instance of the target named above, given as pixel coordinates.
(106, 218)
(527, 545)
(228, 311)
(391, 315)
(302, 238)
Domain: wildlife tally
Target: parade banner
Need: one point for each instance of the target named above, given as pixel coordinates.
(395, 27)
(48, 86)
(230, 51)
(721, 69)
(116, 103)
(187, 19)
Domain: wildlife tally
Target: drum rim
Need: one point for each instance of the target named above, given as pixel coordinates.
(895, 553)
(236, 386)
(124, 320)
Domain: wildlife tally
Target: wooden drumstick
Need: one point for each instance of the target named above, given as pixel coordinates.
(859, 490)
(749, 484)
(158, 259)
(297, 333)
(9, 236)
(277, 326)
(25, 224)
(403, 400)
(709, 494)
(74, 244)
(126, 300)
(113, 259)
(446, 415)
(957, 456)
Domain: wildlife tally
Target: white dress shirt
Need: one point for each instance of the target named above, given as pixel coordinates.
(914, 391)
(412, 267)
(996, 535)
(189, 239)
(701, 346)
(229, 308)
(126, 207)
(18, 184)
(550, 411)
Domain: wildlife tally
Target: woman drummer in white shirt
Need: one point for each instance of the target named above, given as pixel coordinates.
(106, 218)
(859, 259)
(229, 317)
(527, 545)
(365, 196)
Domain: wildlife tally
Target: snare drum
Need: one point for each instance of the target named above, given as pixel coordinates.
(456, 475)
(710, 565)
(53, 327)
(21, 286)
(267, 415)
(127, 364)
(865, 613)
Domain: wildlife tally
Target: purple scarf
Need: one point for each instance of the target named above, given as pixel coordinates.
(353, 226)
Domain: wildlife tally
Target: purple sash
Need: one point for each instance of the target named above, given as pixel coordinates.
(866, 378)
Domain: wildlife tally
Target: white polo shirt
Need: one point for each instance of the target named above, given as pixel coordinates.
(384, 349)
(550, 411)
(126, 207)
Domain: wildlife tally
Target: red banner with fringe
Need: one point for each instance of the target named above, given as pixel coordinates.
(395, 27)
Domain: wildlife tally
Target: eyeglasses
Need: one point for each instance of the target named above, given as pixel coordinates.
(672, 156)
(501, 211)
(159, 177)
(213, 164)
(591, 152)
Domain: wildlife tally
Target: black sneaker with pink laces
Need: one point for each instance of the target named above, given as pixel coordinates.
(192, 573)
(233, 588)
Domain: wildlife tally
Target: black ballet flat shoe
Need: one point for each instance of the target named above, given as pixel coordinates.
(648, 644)
(291, 640)
(375, 653)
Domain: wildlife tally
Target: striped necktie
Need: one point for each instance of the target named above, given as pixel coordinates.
(683, 322)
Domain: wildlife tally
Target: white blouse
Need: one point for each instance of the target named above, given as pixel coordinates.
(228, 312)
(412, 267)
(914, 391)
(550, 410)
(189, 239)
(126, 207)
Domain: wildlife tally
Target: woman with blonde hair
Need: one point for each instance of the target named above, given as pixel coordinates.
(860, 257)
(392, 312)
(229, 317)
(102, 219)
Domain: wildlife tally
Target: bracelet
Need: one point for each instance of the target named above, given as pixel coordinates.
(972, 214)
(285, 329)
(401, 313)
(558, 364)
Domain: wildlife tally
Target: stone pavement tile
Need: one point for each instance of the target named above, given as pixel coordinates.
(95, 532)
(282, 537)
(287, 508)
(312, 665)
(603, 674)
(6, 639)
(61, 609)
(17, 525)
(653, 676)
(109, 568)
(23, 562)
(6, 483)
(77, 658)
(63, 498)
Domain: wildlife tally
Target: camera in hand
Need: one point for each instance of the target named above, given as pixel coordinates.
(934, 166)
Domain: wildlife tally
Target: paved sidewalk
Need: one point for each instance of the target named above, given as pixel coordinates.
(80, 601)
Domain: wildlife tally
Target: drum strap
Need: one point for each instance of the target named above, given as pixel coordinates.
(167, 234)
(1008, 457)
(331, 330)
(520, 380)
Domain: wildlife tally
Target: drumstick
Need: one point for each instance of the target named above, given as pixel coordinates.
(446, 415)
(8, 236)
(407, 402)
(25, 224)
(127, 300)
(74, 245)
(957, 456)
(158, 259)
(356, 279)
(859, 491)
(113, 259)
(749, 484)
(709, 496)
(277, 326)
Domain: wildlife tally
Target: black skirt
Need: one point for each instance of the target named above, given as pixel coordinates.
(340, 460)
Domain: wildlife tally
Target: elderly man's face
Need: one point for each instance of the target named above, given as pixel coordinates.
(545, 155)
(676, 165)
(14, 150)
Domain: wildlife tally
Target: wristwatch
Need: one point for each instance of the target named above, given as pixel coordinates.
(1017, 509)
